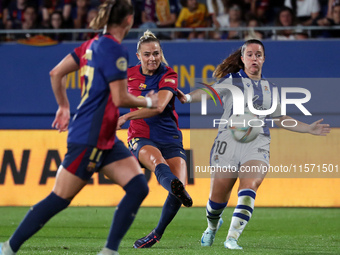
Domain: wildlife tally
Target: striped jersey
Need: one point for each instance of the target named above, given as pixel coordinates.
(164, 126)
(101, 60)
(262, 97)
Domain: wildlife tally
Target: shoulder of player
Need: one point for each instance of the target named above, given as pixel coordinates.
(169, 72)
(133, 70)
(169, 75)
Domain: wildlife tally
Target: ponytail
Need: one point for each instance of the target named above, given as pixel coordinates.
(111, 12)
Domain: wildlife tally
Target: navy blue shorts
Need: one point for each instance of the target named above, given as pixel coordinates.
(168, 150)
(83, 160)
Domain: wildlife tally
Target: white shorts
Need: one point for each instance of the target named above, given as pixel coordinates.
(227, 152)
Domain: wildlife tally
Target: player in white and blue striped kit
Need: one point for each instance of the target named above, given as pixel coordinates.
(243, 68)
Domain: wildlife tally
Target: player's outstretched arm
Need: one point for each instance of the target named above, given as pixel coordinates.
(193, 97)
(67, 65)
(164, 97)
(121, 98)
(316, 128)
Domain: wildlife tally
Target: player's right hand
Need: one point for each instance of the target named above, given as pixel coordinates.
(154, 98)
(62, 119)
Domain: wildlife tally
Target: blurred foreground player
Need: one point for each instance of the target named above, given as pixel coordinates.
(92, 142)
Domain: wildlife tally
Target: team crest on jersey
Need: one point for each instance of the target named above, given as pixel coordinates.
(142, 86)
(266, 89)
(91, 166)
(121, 64)
(216, 159)
(170, 80)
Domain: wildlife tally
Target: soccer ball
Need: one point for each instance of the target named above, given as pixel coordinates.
(244, 128)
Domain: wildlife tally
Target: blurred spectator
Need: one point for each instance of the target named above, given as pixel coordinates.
(159, 13)
(218, 10)
(305, 10)
(30, 22)
(14, 14)
(193, 15)
(332, 19)
(57, 22)
(253, 21)
(79, 13)
(286, 18)
(258, 8)
(235, 20)
(49, 6)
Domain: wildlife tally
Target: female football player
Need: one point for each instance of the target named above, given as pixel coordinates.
(154, 136)
(243, 69)
(92, 142)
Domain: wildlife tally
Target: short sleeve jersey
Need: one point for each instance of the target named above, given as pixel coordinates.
(101, 60)
(197, 18)
(262, 97)
(162, 127)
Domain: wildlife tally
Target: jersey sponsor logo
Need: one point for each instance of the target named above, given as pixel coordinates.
(170, 80)
(142, 86)
(131, 79)
(121, 64)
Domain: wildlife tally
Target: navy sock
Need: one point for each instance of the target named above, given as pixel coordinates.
(170, 209)
(164, 176)
(136, 190)
(36, 218)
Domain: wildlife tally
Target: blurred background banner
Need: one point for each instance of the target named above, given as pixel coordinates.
(27, 101)
(30, 152)
(29, 160)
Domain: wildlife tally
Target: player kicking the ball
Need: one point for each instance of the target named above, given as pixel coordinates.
(243, 68)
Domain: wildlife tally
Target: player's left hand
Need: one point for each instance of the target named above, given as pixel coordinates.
(121, 122)
(317, 128)
(62, 119)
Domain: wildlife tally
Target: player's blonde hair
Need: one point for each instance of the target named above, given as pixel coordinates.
(233, 63)
(148, 36)
(112, 12)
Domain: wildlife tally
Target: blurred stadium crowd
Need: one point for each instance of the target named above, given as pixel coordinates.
(59, 14)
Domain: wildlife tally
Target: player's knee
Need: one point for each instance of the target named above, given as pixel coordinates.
(137, 186)
(253, 185)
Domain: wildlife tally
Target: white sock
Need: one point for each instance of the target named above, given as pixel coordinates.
(214, 212)
(6, 249)
(242, 212)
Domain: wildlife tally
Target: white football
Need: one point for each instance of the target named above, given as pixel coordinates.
(245, 128)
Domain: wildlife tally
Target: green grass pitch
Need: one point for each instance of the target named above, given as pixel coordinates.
(83, 230)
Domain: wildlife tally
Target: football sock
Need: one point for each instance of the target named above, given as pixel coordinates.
(170, 209)
(136, 190)
(164, 176)
(36, 218)
(242, 212)
(214, 212)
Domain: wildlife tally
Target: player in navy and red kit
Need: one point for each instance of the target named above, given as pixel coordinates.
(154, 137)
(92, 142)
